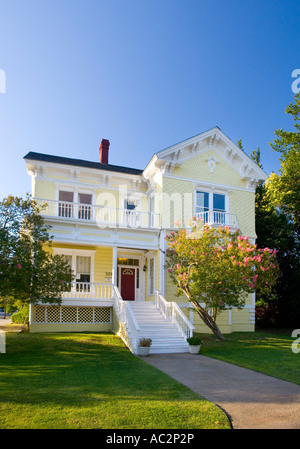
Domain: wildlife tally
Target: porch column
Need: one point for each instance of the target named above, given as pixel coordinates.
(114, 265)
(162, 263)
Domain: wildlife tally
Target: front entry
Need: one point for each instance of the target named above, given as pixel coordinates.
(128, 283)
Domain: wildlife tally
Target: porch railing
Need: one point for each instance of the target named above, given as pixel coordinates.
(173, 313)
(88, 290)
(218, 218)
(102, 215)
(127, 319)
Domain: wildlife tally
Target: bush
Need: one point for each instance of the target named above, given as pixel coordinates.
(21, 317)
(194, 341)
(146, 342)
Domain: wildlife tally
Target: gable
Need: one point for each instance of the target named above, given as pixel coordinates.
(209, 166)
(209, 157)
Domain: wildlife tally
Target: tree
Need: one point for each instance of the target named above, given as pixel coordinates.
(285, 187)
(276, 228)
(28, 270)
(216, 269)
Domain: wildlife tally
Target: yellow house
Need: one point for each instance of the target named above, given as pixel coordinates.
(109, 222)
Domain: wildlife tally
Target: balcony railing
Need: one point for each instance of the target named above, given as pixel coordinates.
(218, 218)
(102, 215)
(88, 290)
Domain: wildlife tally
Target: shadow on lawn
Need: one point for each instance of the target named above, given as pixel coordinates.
(81, 368)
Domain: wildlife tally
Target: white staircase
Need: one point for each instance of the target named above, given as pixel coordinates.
(165, 334)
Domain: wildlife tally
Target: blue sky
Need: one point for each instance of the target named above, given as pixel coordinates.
(144, 74)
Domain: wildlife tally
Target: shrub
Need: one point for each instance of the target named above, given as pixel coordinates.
(194, 341)
(21, 317)
(145, 342)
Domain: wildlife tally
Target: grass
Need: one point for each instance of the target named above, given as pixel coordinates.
(92, 381)
(265, 352)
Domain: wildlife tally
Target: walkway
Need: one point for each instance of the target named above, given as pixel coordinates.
(250, 399)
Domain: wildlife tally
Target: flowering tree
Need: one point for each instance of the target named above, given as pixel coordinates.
(216, 269)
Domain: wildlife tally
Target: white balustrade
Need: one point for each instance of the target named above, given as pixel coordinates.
(219, 218)
(102, 215)
(126, 317)
(172, 312)
(88, 290)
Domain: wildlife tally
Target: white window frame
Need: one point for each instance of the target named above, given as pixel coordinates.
(210, 197)
(78, 252)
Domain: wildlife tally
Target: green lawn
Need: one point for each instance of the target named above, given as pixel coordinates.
(59, 381)
(269, 353)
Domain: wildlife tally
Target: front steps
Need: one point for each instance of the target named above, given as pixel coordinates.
(165, 335)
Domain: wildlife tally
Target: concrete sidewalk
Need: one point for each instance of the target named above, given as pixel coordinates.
(250, 399)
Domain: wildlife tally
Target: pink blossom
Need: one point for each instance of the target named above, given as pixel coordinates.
(19, 266)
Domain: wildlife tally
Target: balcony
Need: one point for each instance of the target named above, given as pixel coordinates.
(218, 218)
(101, 215)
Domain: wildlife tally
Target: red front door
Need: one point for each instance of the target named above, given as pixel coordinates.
(128, 283)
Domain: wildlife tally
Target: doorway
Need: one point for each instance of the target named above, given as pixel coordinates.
(128, 278)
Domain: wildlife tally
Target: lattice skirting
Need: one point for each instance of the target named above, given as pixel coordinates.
(71, 314)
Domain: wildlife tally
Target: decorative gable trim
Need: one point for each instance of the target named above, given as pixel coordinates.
(166, 160)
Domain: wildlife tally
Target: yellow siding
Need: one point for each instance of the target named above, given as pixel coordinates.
(103, 259)
(176, 201)
(44, 190)
(242, 204)
(103, 263)
(197, 168)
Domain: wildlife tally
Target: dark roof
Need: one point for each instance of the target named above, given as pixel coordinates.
(80, 163)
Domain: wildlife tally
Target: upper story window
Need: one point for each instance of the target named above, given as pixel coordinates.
(211, 207)
(75, 205)
(130, 214)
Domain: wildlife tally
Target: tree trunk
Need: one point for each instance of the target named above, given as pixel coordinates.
(209, 321)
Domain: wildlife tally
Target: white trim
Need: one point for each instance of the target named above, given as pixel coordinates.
(210, 198)
(151, 256)
(199, 183)
(78, 252)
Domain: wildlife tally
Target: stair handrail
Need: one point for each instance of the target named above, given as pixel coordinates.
(162, 304)
(172, 312)
(126, 317)
(186, 327)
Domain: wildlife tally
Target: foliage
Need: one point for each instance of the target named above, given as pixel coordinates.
(216, 269)
(285, 187)
(28, 270)
(145, 342)
(277, 206)
(194, 341)
(21, 317)
(276, 230)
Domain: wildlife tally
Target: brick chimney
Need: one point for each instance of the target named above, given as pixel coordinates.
(103, 150)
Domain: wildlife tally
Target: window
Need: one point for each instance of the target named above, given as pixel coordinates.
(202, 202)
(130, 215)
(68, 207)
(210, 207)
(151, 211)
(82, 264)
(151, 277)
(218, 202)
(65, 205)
(84, 207)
